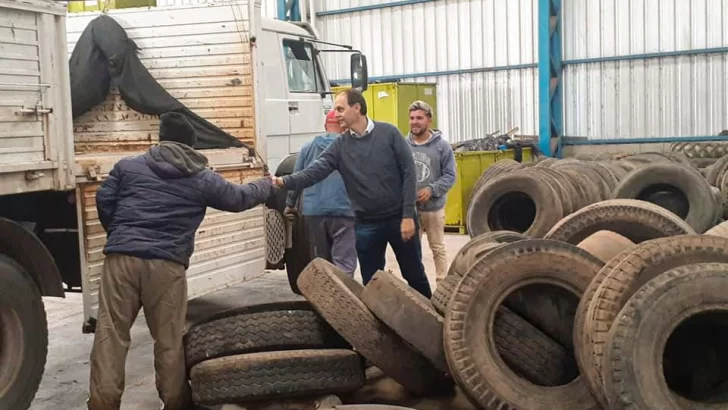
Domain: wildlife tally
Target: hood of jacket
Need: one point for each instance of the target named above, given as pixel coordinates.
(436, 135)
(171, 159)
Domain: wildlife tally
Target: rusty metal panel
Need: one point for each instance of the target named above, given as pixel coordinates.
(229, 247)
(201, 55)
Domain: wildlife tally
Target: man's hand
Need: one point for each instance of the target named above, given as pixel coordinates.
(290, 211)
(424, 194)
(407, 228)
(278, 181)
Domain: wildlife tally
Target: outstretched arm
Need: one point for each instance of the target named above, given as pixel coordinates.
(230, 197)
(327, 163)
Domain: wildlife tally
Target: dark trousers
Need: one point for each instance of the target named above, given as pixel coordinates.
(371, 246)
(332, 238)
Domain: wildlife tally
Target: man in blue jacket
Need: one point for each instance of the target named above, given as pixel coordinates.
(150, 206)
(326, 207)
(435, 169)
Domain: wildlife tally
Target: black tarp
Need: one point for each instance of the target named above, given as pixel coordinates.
(104, 55)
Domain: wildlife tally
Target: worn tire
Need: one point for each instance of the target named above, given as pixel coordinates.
(495, 170)
(605, 245)
(23, 336)
(715, 172)
(484, 210)
(336, 297)
(300, 254)
(474, 360)
(276, 375)
(408, 313)
(710, 150)
(441, 297)
(583, 332)
(634, 375)
(697, 191)
(529, 352)
(261, 328)
(720, 230)
(488, 237)
(646, 262)
(636, 220)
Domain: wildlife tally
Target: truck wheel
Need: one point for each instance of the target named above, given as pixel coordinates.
(300, 254)
(23, 336)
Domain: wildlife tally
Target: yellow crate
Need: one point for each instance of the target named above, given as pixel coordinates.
(469, 167)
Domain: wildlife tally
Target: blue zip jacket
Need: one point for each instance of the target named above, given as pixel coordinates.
(328, 197)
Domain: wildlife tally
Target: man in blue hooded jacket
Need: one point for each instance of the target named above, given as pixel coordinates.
(326, 208)
(151, 206)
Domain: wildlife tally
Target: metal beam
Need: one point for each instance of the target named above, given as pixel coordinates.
(395, 77)
(370, 7)
(289, 10)
(550, 68)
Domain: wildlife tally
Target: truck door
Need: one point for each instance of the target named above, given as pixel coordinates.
(305, 85)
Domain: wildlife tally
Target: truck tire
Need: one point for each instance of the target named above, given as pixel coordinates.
(408, 313)
(605, 245)
(23, 336)
(494, 236)
(636, 220)
(261, 328)
(646, 262)
(583, 330)
(636, 380)
(443, 292)
(474, 359)
(701, 210)
(521, 201)
(300, 254)
(336, 297)
(719, 230)
(276, 375)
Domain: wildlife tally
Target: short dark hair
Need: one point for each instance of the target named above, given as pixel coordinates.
(354, 96)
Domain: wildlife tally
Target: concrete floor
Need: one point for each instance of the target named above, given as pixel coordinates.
(65, 382)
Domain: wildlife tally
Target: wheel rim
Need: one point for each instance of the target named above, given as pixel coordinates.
(11, 347)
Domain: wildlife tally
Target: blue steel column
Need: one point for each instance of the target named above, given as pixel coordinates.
(549, 76)
(286, 13)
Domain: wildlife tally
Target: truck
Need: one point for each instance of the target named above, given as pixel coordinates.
(259, 80)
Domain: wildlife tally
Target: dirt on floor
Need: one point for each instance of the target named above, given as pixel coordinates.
(65, 382)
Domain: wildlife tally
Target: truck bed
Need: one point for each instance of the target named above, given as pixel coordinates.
(201, 56)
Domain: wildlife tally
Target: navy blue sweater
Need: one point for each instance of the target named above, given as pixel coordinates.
(378, 172)
(151, 205)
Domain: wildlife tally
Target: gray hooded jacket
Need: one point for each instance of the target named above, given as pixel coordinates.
(434, 168)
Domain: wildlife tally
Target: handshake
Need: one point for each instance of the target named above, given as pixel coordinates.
(276, 181)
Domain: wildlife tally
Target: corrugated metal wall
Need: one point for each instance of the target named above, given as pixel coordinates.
(659, 97)
(462, 45)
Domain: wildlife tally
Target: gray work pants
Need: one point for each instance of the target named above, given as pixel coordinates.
(333, 238)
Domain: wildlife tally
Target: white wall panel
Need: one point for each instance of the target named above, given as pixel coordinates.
(473, 105)
(661, 97)
(441, 39)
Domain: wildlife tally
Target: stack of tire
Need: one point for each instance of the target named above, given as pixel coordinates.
(532, 198)
(625, 287)
(269, 352)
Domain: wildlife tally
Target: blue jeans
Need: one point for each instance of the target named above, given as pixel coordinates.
(371, 247)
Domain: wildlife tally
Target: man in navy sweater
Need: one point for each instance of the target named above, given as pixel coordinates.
(376, 164)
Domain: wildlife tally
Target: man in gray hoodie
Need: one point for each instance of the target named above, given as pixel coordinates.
(435, 172)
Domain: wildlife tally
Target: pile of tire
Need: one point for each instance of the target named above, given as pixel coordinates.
(531, 198)
(268, 352)
(621, 306)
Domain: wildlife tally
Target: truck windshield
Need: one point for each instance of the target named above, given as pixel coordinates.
(301, 67)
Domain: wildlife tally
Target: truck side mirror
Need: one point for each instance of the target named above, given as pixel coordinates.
(359, 72)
